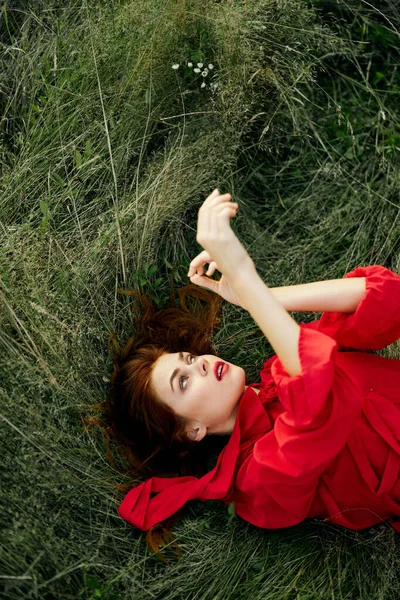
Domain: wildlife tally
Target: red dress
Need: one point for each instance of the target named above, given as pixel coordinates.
(325, 443)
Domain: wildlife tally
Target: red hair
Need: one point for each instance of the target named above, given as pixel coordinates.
(150, 437)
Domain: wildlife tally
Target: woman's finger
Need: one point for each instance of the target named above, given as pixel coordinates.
(222, 218)
(201, 259)
(214, 198)
(218, 207)
(225, 209)
(205, 282)
(214, 194)
(211, 268)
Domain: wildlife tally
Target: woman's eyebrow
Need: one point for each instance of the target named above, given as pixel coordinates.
(176, 370)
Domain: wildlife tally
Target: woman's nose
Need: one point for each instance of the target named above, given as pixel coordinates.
(204, 366)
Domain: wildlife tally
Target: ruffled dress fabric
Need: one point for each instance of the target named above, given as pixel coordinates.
(325, 443)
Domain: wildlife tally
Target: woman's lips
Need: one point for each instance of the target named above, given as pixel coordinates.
(225, 368)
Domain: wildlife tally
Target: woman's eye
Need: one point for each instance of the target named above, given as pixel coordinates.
(183, 377)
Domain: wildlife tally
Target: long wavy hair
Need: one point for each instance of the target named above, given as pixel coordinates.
(150, 438)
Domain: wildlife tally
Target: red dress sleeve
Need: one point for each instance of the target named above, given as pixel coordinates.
(376, 321)
(277, 483)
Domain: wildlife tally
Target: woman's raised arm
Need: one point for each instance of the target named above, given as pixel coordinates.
(277, 325)
(216, 236)
(268, 308)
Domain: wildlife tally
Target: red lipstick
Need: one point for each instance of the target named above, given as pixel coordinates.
(225, 368)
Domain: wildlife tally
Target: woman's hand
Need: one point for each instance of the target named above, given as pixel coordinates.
(222, 249)
(221, 287)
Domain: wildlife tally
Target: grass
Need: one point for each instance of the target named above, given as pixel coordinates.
(106, 154)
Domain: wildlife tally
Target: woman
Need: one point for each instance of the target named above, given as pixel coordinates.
(319, 436)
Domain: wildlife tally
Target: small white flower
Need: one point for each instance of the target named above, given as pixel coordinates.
(205, 73)
(199, 65)
(175, 66)
(210, 66)
(203, 84)
(382, 114)
(190, 64)
(196, 70)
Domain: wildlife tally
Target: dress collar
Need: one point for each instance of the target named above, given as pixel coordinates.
(158, 498)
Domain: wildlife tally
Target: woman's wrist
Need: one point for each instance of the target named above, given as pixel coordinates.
(243, 273)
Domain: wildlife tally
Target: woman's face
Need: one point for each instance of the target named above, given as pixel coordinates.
(187, 383)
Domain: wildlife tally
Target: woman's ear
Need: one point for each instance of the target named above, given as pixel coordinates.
(196, 433)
